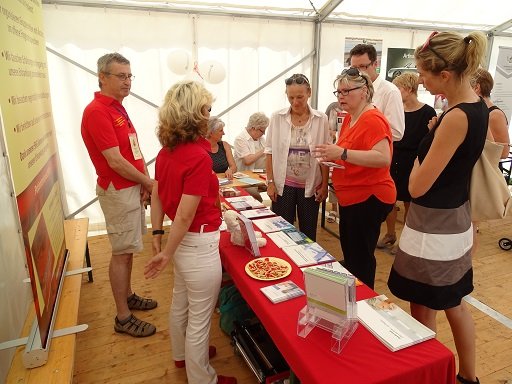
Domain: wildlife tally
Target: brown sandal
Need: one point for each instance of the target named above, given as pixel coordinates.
(141, 303)
(134, 327)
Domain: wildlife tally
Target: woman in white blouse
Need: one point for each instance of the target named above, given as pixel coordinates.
(297, 183)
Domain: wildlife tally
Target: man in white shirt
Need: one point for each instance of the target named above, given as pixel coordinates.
(386, 97)
(249, 144)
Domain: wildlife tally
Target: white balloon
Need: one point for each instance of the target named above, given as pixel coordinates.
(212, 71)
(179, 62)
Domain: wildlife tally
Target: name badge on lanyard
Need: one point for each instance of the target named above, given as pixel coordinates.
(134, 143)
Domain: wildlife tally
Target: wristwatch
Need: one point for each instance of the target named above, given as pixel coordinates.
(344, 154)
(158, 232)
(270, 181)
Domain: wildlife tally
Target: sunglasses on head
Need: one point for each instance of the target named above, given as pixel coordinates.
(429, 47)
(298, 78)
(352, 71)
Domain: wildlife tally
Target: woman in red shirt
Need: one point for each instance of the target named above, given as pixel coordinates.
(187, 191)
(364, 188)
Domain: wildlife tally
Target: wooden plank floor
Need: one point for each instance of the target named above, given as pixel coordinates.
(102, 356)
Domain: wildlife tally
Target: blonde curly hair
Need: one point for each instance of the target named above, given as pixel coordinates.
(183, 117)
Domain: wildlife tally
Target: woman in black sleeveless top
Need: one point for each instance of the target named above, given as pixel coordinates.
(432, 268)
(221, 154)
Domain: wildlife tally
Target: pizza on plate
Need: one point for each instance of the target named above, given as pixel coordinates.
(268, 268)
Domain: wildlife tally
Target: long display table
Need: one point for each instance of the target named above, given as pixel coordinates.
(363, 360)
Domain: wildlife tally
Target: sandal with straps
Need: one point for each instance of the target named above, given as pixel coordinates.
(134, 327)
(466, 381)
(141, 303)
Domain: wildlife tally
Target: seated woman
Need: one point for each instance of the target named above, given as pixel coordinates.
(250, 144)
(221, 154)
(365, 190)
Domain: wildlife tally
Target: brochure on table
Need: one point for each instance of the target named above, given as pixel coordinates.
(289, 237)
(272, 224)
(250, 181)
(242, 203)
(282, 291)
(394, 327)
(308, 254)
(256, 213)
(250, 241)
(331, 305)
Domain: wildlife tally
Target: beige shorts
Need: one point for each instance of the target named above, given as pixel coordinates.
(124, 217)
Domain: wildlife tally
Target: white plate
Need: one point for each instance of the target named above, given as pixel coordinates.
(262, 267)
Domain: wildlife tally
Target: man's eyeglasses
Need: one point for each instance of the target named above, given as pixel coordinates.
(121, 76)
(429, 47)
(297, 78)
(261, 130)
(364, 67)
(345, 92)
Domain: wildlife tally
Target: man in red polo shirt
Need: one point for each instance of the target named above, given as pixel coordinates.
(123, 184)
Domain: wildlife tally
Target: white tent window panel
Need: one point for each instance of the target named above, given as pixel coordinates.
(251, 50)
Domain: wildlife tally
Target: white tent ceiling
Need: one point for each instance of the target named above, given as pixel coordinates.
(493, 16)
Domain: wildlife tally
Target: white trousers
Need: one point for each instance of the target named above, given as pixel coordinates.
(197, 278)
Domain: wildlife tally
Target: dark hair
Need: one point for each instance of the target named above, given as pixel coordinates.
(484, 79)
(361, 49)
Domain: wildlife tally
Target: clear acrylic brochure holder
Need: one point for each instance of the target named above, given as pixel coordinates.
(331, 306)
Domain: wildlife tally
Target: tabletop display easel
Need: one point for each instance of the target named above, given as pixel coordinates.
(331, 305)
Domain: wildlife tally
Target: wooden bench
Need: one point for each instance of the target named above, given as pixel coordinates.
(61, 357)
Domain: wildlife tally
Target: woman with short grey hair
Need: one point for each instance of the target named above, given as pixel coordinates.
(249, 144)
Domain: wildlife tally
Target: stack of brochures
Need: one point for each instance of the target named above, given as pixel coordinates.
(330, 294)
(308, 254)
(334, 266)
(282, 291)
(389, 323)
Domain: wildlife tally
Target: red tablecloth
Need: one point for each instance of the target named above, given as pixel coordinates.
(363, 360)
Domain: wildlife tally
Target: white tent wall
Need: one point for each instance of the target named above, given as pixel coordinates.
(251, 50)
